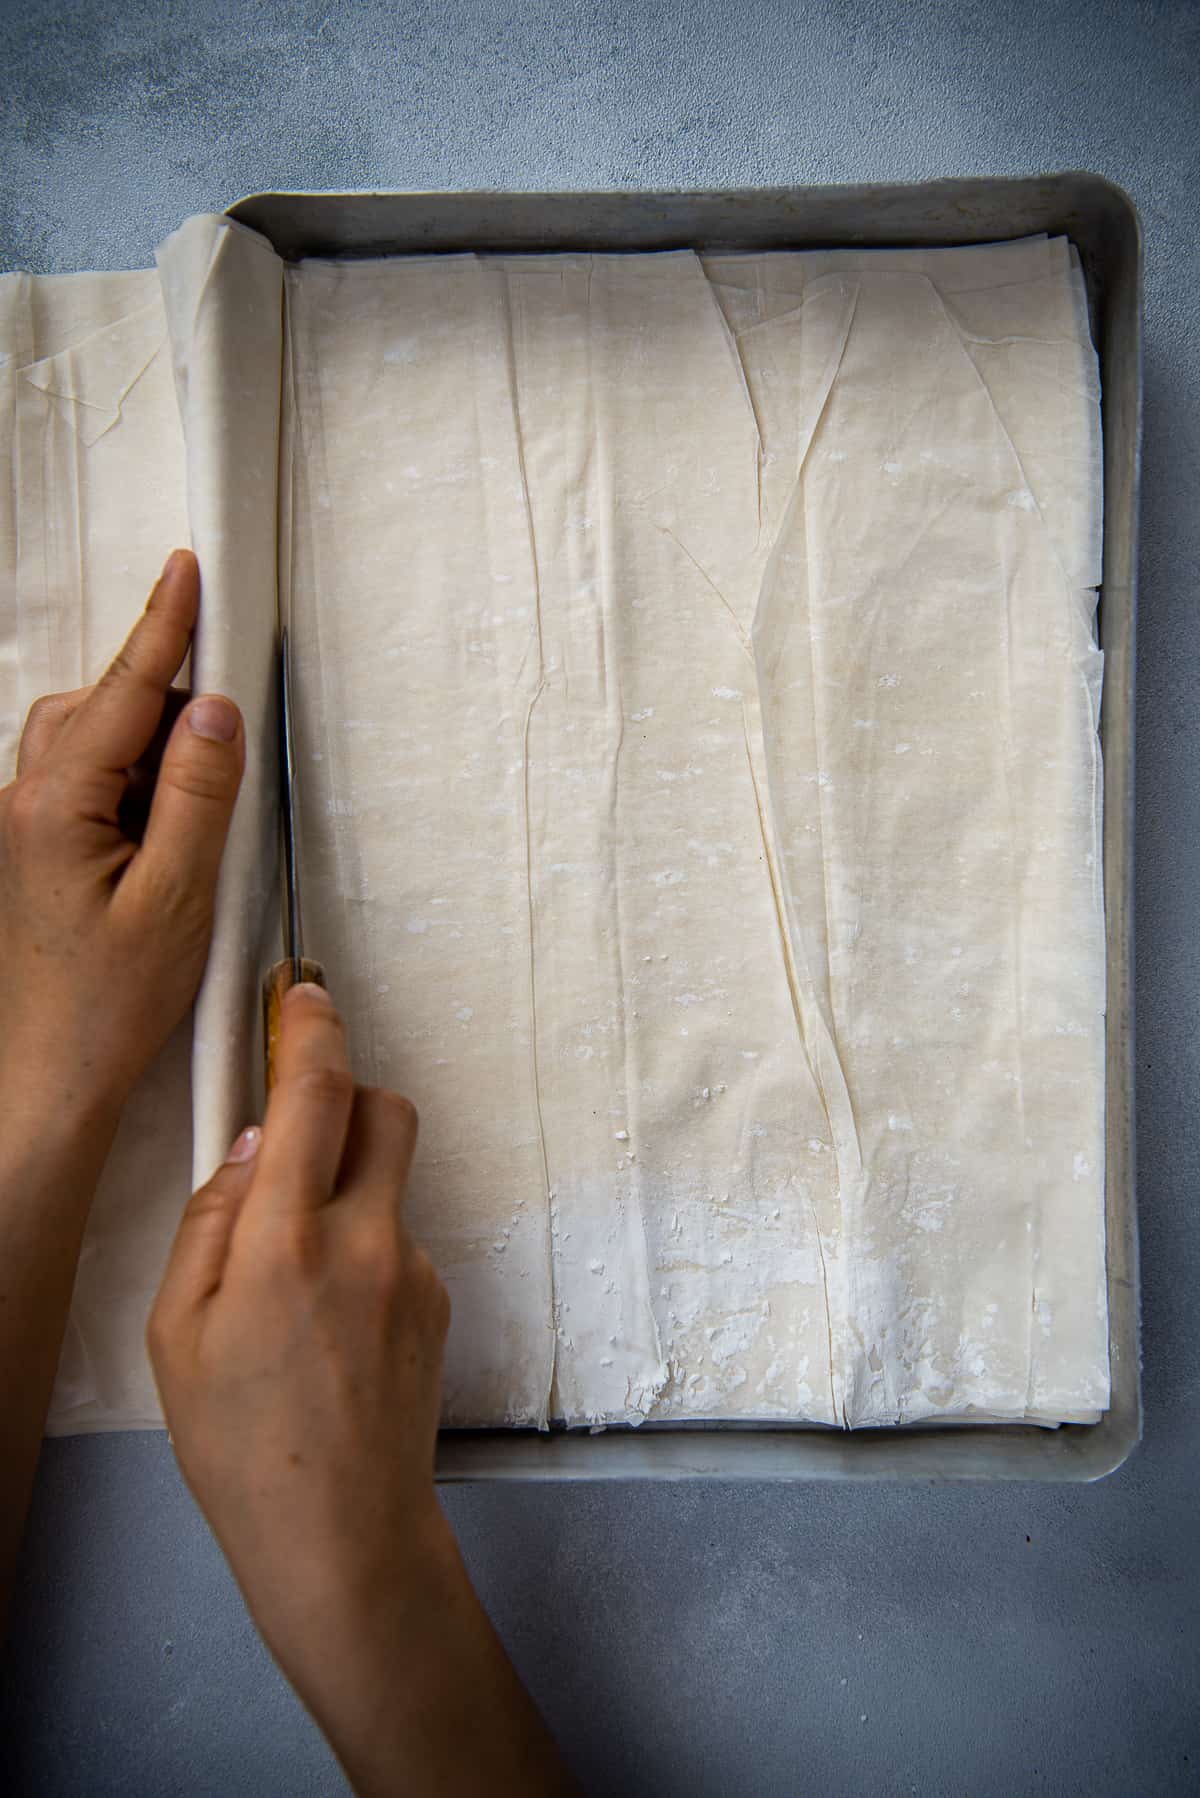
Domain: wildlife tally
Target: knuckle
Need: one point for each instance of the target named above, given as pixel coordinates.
(172, 895)
(46, 709)
(330, 1087)
(35, 802)
(297, 1248)
(123, 663)
(125, 669)
(376, 1258)
(206, 774)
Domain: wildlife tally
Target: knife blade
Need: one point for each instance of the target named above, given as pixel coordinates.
(295, 966)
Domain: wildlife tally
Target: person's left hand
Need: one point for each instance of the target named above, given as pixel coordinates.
(106, 903)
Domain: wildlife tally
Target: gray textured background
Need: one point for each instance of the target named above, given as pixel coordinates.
(721, 1640)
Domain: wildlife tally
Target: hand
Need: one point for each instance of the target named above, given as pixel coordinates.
(110, 838)
(106, 903)
(297, 1342)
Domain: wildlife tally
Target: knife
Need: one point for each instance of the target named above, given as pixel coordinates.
(295, 965)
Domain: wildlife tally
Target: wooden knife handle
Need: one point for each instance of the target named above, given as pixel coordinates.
(276, 984)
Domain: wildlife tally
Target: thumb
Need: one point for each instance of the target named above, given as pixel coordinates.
(201, 1247)
(194, 796)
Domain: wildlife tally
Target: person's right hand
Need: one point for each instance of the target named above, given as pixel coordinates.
(297, 1342)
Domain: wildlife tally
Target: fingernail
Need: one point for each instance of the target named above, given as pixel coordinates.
(313, 991)
(214, 718)
(246, 1146)
(173, 560)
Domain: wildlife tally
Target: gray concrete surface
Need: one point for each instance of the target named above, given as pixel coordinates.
(682, 1640)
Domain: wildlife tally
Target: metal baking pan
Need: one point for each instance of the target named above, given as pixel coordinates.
(1103, 223)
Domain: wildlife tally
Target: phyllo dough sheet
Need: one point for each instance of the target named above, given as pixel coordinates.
(698, 697)
(700, 801)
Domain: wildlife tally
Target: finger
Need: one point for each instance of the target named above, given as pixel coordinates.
(119, 717)
(194, 796)
(308, 1113)
(133, 813)
(379, 1148)
(201, 1247)
(46, 719)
